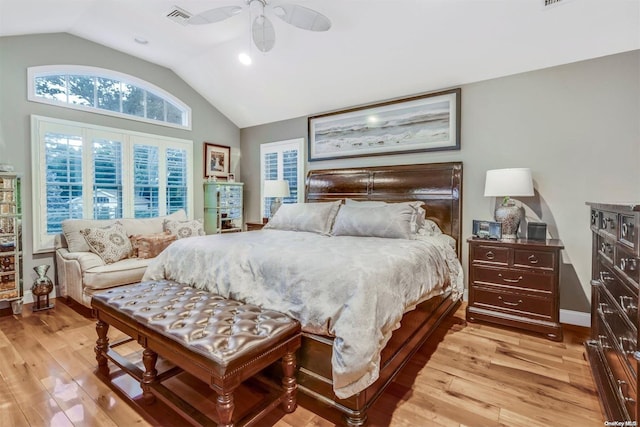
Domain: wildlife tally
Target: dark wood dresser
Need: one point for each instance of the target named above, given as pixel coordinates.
(614, 308)
(515, 283)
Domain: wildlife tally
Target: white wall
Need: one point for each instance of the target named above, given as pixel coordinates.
(576, 126)
(20, 52)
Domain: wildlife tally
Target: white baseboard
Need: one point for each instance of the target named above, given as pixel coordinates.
(577, 318)
(570, 317)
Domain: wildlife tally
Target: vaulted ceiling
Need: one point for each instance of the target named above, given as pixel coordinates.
(375, 49)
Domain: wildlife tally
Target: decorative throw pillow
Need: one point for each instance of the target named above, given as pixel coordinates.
(392, 220)
(150, 245)
(311, 217)
(417, 219)
(182, 229)
(110, 243)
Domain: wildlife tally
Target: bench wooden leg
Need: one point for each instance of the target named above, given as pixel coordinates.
(225, 407)
(102, 346)
(289, 382)
(149, 359)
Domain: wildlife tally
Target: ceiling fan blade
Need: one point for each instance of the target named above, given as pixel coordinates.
(214, 15)
(263, 34)
(302, 17)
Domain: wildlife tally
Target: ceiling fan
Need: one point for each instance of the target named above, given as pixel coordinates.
(262, 31)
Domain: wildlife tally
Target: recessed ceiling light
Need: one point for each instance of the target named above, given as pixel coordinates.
(245, 59)
(141, 40)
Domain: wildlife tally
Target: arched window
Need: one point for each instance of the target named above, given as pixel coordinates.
(106, 92)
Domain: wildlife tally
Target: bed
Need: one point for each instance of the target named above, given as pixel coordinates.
(341, 365)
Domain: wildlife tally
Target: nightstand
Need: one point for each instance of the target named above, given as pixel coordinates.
(253, 226)
(515, 283)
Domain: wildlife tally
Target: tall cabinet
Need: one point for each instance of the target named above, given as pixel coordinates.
(612, 349)
(223, 207)
(10, 238)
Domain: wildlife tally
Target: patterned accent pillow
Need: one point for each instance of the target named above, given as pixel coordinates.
(311, 217)
(110, 243)
(391, 221)
(182, 229)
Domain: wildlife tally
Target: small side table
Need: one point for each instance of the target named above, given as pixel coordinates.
(516, 283)
(253, 226)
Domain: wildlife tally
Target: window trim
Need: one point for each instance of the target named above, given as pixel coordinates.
(84, 70)
(44, 242)
(278, 147)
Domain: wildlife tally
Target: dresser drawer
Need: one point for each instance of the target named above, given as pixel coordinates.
(512, 278)
(626, 262)
(609, 222)
(606, 247)
(628, 233)
(624, 296)
(492, 254)
(621, 336)
(512, 302)
(533, 259)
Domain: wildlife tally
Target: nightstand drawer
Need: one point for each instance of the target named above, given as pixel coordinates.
(493, 254)
(534, 259)
(514, 278)
(514, 303)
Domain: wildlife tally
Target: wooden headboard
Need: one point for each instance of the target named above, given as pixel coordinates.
(438, 185)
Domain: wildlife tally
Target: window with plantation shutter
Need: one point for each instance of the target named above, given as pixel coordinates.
(282, 160)
(85, 171)
(176, 180)
(146, 184)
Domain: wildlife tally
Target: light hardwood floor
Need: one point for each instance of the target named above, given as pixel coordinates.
(467, 375)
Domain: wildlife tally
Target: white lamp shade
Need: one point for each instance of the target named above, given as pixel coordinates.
(276, 188)
(508, 182)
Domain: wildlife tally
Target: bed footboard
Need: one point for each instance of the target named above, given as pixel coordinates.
(314, 357)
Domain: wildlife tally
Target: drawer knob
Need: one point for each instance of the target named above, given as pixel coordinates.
(510, 280)
(490, 255)
(605, 277)
(627, 229)
(532, 259)
(605, 247)
(627, 342)
(608, 222)
(602, 339)
(513, 304)
(603, 308)
(628, 264)
(622, 383)
(626, 303)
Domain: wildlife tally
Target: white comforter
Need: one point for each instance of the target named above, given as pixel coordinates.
(355, 289)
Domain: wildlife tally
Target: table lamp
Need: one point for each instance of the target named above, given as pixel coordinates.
(276, 189)
(508, 183)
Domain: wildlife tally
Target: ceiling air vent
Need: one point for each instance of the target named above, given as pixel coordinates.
(179, 15)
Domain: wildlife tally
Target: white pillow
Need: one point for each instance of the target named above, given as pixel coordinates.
(182, 229)
(311, 217)
(392, 220)
(110, 243)
(417, 220)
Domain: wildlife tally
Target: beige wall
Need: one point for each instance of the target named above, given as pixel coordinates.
(577, 126)
(18, 53)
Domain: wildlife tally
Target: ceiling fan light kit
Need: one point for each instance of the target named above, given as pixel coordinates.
(262, 30)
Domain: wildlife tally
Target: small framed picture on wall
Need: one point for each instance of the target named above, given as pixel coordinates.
(216, 160)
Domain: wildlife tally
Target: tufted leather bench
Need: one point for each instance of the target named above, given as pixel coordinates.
(218, 340)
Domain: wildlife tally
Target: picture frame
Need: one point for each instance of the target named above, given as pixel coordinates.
(429, 122)
(216, 160)
(231, 177)
(489, 230)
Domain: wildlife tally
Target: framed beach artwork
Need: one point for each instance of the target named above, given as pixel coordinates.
(216, 160)
(421, 123)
